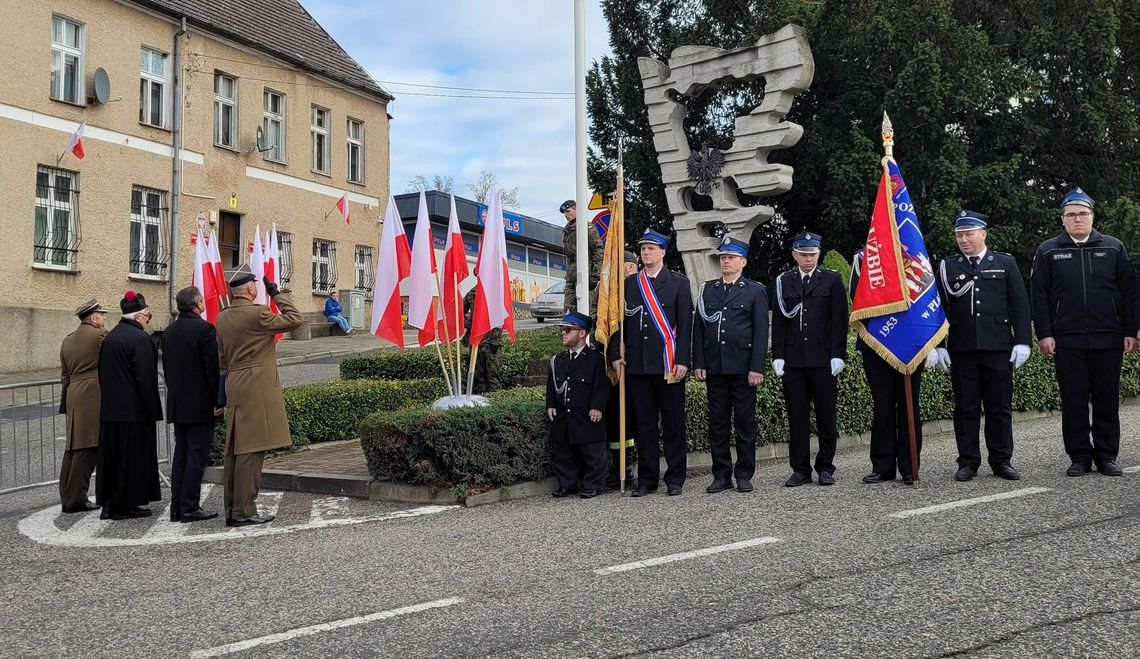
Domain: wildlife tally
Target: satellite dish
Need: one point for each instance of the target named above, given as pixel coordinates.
(260, 140)
(102, 87)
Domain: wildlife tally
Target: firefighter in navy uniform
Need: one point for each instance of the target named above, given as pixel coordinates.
(730, 342)
(1083, 289)
(987, 307)
(809, 350)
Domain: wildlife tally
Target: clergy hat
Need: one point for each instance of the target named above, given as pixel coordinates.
(241, 276)
(1078, 197)
(970, 221)
(806, 243)
(576, 320)
(630, 257)
(567, 205)
(732, 247)
(132, 302)
(654, 238)
(89, 307)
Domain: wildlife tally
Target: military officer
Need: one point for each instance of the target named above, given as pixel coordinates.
(256, 422)
(809, 350)
(79, 400)
(569, 210)
(1083, 289)
(730, 345)
(986, 304)
(577, 390)
(657, 337)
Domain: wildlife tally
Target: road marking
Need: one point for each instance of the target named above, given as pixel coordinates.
(1132, 470)
(163, 528)
(1024, 492)
(281, 637)
(683, 556)
(327, 508)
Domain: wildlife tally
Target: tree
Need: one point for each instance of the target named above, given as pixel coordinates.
(437, 182)
(481, 185)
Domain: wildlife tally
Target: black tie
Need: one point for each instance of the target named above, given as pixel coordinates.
(806, 280)
(573, 356)
(974, 261)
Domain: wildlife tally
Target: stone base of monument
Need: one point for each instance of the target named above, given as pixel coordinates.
(449, 402)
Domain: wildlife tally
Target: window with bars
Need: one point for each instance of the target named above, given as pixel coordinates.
(319, 131)
(67, 78)
(56, 242)
(273, 125)
(225, 111)
(362, 263)
(355, 139)
(148, 231)
(285, 246)
(152, 88)
(324, 266)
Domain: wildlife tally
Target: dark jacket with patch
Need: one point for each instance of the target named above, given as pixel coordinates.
(987, 307)
(730, 330)
(809, 325)
(644, 349)
(573, 388)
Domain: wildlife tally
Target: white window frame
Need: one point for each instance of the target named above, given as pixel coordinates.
(363, 271)
(329, 261)
(268, 117)
(63, 51)
(57, 257)
(222, 102)
(143, 217)
(354, 143)
(148, 81)
(319, 140)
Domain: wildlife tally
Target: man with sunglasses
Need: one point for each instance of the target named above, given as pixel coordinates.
(577, 390)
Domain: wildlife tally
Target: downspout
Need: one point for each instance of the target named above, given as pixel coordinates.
(176, 173)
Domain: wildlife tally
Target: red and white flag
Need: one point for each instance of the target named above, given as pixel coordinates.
(75, 144)
(423, 301)
(221, 286)
(257, 265)
(272, 266)
(493, 307)
(342, 206)
(454, 272)
(203, 278)
(394, 261)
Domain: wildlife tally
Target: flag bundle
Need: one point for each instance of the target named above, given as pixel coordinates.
(394, 263)
(493, 307)
(208, 276)
(423, 298)
(455, 271)
(611, 287)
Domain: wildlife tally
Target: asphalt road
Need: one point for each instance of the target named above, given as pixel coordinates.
(1050, 570)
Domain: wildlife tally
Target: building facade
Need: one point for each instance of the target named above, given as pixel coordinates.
(276, 123)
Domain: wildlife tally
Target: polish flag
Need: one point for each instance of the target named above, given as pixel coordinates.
(342, 206)
(455, 271)
(257, 265)
(75, 144)
(422, 299)
(203, 278)
(272, 266)
(493, 307)
(394, 261)
(221, 285)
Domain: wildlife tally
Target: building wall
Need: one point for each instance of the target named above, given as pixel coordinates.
(121, 153)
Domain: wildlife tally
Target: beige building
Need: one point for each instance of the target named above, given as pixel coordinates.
(277, 123)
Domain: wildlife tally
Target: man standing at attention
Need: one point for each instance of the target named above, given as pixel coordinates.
(569, 210)
(79, 400)
(577, 389)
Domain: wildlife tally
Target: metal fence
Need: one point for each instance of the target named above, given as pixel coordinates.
(33, 435)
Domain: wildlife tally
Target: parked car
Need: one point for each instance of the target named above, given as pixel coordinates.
(550, 303)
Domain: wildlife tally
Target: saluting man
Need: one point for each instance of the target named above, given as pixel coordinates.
(79, 400)
(730, 342)
(809, 350)
(577, 390)
(984, 296)
(658, 335)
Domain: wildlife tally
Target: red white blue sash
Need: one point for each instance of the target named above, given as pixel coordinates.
(660, 321)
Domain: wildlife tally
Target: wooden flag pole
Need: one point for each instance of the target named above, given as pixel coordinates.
(911, 431)
(471, 370)
(446, 339)
(458, 338)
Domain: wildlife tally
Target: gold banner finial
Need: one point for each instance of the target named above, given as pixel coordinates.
(888, 136)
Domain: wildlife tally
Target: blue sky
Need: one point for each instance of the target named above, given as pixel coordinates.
(486, 44)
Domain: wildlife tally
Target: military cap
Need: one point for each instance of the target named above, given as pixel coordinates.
(970, 221)
(240, 277)
(567, 205)
(807, 242)
(630, 257)
(732, 247)
(654, 238)
(576, 320)
(1077, 196)
(89, 307)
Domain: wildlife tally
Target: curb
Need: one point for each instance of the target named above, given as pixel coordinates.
(326, 354)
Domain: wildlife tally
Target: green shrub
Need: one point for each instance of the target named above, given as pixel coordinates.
(331, 411)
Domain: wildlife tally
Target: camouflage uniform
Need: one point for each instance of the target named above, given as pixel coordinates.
(487, 361)
(570, 248)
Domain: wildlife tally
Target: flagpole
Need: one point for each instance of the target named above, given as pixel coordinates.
(582, 304)
(471, 369)
(615, 217)
(458, 341)
(446, 336)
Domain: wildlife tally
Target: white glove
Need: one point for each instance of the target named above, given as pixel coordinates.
(1019, 355)
(938, 358)
(778, 367)
(837, 367)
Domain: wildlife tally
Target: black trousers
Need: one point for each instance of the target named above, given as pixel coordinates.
(1088, 376)
(805, 388)
(982, 379)
(654, 399)
(574, 462)
(890, 443)
(192, 443)
(732, 403)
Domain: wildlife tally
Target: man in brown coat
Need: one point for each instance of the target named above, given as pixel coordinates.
(255, 423)
(79, 375)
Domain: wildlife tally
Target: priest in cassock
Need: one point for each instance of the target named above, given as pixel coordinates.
(127, 474)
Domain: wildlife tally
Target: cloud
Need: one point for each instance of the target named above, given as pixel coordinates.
(486, 44)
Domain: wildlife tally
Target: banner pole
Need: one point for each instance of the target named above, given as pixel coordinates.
(911, 435)
(458, 342)
(471, 369)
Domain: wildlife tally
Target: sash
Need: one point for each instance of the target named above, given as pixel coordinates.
(660, 321)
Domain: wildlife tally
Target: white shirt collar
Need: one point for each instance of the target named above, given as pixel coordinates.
(805, 274)
(981, 255)
(729, 284)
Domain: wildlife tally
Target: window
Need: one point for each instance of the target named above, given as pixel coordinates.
(225, 111)
(362, 263)
(320, 134)
(67, 60)
(56, 242)
(148, 230)
(324, 266)
(285, 246)
(355, 151)
(152, 88)
(273, 125)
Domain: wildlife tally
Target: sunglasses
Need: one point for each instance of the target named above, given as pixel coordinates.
(567, 330)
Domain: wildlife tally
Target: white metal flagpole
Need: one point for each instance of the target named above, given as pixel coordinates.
(580, 192)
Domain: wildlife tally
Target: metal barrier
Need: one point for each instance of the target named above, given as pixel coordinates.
(33, 435)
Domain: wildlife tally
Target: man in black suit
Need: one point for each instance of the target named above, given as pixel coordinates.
(577, 390)
(809, 350)
(730, 341)
(190, 364)
(984, 296)
(658, 332)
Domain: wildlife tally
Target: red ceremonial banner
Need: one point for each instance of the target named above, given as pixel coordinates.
(882, 287)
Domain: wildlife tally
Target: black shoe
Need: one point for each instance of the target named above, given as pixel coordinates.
(719, 485)
(907, 479)
(117, 515)
(561, 492)
(743, 485)
(826, 478)
(139, 511)
(967, 473)
(84, 507)
(197, 516)
(673, 490)
(797, 479)
(175, 517)
(1109, 468)
(877, 478)
(1077, 469)
(1006, 471)
(588, 494)
(642, 491)
(250, 521)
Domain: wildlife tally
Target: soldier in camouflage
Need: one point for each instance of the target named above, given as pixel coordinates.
(569, 210)
(487, 361)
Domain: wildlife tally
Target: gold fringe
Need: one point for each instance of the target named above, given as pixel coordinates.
(904, 304)
(890, 358)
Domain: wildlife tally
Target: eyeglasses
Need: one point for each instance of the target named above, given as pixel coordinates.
(567, 330)
(1083, 215)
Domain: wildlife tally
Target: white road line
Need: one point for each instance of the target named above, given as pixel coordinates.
(164, 529)
(1132, 470)
(271, 639)
(327, 508)
(89, 525)
(268, 503)
(1024, 492)
(683, 556)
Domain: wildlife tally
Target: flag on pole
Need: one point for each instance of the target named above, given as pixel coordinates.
(203, 278)
(393, 265)
(75, 144)
(257, 265)
(422, 299)
(221, 286)
(342, 206)
(493, 307)
(272, 261)
(455, 271)
(611, 303)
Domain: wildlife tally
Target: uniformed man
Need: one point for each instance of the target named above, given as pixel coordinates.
(730, 345)
(577, 390)
(79, 400)
(809, 350)
(984, 296)
(490, 348)
(1083, 289)
(569, 210)
(658, 334)
(255, 420)
(613, 480)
